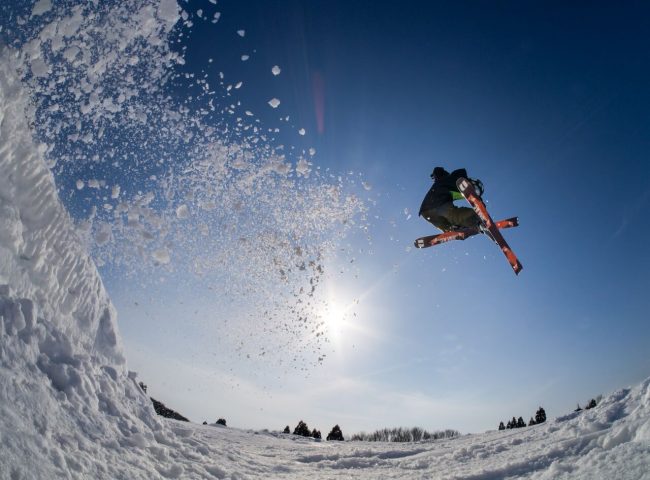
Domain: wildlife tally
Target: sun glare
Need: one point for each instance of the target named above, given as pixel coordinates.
(334, 318)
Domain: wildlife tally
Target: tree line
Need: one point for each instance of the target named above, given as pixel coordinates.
(303, 430)
(591, 404)
(540, 417)
(415, 434)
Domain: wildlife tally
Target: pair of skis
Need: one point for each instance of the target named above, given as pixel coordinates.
(488, 226)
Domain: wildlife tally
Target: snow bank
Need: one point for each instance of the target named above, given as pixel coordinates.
(68, 406)
(41, 258)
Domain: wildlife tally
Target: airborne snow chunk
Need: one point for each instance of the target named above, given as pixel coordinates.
(182, 212)
(41, 7)
(274, 102)
(161, 256)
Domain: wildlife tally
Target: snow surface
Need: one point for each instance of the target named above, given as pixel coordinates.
(69, 407)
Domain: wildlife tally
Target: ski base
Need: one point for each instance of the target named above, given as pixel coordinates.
(460, 234)
(467, 189)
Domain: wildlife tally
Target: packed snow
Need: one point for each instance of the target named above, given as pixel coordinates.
(69, 406)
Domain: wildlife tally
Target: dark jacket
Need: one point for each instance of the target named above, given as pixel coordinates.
(440, 192)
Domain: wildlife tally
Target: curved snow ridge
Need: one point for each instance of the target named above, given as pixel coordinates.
(41, 256)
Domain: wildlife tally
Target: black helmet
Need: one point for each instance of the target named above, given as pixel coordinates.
(439, 172)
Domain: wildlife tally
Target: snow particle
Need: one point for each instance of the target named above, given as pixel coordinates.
(276, 70)
(161, 256)
(241, 33)
(41, 7)
(302, 131)
(274, 102)
(303, 167)
(182, 212)
(245, 57)
(168, 11)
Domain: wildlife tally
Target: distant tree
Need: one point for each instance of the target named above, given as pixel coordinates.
(509, 425)
(520, 422)
(316, 434)
(416, 434)
(592, 403)
(205, 423)
(143, 387)
(513, 422)
(335, 434)
(531, 422)
(540, 416)
(501, 426)
(221, 421)
(287, 429)
(302, 429)
(578, 409)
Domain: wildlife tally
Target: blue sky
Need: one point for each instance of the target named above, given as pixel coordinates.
(546, 102)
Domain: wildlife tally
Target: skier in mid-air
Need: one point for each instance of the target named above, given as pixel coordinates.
(438, 205)
(459, 223)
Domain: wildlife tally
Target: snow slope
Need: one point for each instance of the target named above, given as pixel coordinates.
(69, 408)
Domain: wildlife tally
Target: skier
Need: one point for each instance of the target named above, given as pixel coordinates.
(438, 205)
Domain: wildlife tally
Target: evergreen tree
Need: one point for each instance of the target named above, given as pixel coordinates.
(287, 429)
(221, 421)
(302, 429)
(316, 434)
(513, 422)
(335, 434)
(520, 422)
(592, 403)
(578, 409)
(509, 426)
(501, 426)
(540, 416)
(531, 422)
(205, 422)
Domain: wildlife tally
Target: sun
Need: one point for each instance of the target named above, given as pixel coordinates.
(333, 315)
(339, 315)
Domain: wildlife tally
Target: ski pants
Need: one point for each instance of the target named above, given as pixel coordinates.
(447, 217)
